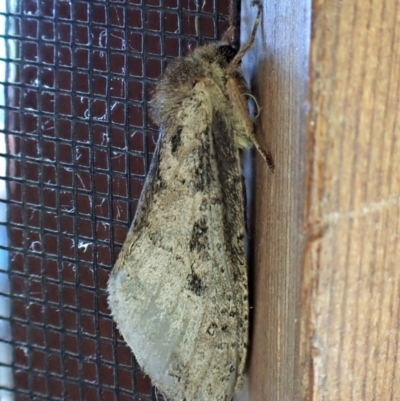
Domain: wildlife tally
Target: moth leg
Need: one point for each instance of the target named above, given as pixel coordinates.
(233, 65)
(255, 102)
(246, 222)
(237, 90)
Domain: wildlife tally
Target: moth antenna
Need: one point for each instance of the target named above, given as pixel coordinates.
(229, 35)
(236, 60)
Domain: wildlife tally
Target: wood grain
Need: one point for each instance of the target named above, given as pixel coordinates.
(326, 279)
(278, 64)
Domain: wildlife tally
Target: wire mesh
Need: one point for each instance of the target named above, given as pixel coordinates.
(76, 142)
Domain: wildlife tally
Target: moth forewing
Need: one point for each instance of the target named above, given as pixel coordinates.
(178, 291)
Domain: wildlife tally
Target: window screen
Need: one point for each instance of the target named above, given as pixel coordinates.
(76, 142)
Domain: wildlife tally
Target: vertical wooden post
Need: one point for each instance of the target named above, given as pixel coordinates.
(326, 279)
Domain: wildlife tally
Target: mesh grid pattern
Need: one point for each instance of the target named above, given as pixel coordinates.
(77, 145)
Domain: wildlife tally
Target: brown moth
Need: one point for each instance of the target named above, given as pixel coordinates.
(178, 291)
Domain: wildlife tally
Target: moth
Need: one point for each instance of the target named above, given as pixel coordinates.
(178, 290)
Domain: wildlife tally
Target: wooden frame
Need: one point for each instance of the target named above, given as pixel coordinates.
(326, 279)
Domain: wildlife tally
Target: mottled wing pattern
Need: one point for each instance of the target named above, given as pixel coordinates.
(179, 289)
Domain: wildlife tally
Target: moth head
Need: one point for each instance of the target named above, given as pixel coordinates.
(227, 52)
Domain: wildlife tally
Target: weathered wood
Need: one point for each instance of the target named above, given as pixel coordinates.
(326, 280)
